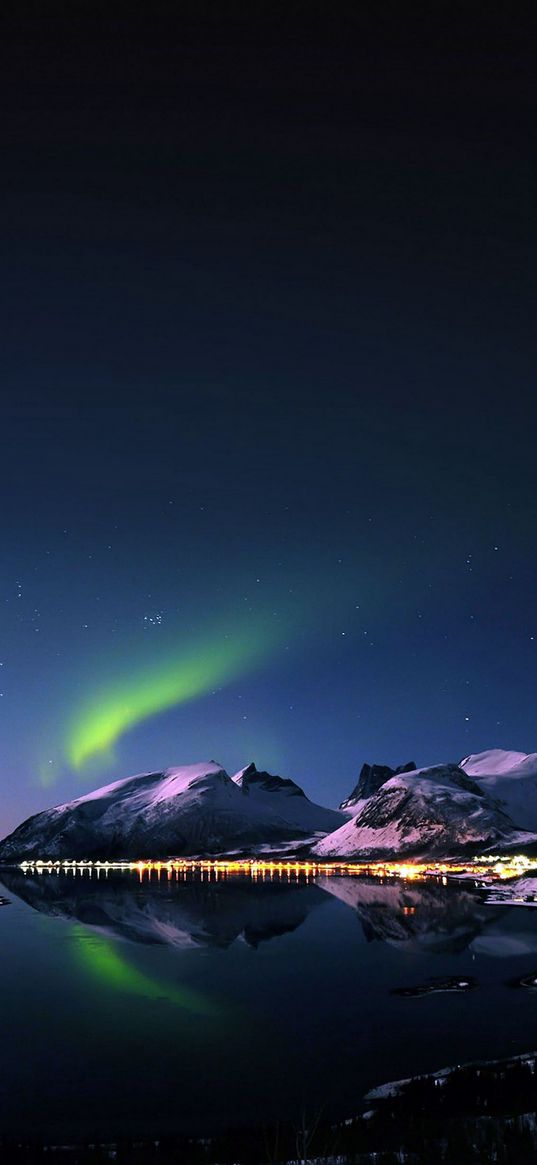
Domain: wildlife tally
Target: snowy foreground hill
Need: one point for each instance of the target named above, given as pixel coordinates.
(194, 810)
(487, 802)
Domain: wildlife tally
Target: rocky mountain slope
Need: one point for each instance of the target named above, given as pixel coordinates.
(434, 812)
(369, 782)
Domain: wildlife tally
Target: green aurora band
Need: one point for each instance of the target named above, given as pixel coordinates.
(100, 957)
(123, 704)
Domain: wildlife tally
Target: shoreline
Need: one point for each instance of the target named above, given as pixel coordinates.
(483, 871)
(419, 1105)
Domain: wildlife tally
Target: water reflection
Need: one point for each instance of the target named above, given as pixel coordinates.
(203, 978)
(187, 911)
(102, 959)
(192, 911)
(426, 915)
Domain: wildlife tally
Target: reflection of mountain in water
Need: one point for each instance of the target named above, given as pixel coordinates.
(193, 911)
(427, 915)
(182, 913)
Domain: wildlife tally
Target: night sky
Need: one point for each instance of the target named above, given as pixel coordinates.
(268, 407)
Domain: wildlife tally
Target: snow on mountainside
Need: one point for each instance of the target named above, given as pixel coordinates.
(197, 809)
(511, 779)
(437, 812)
(492, 763)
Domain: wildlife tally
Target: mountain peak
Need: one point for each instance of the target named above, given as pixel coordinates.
(371, 778)
(244, 773)
(252, 779)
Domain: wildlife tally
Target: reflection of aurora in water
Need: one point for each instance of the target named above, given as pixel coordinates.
(101, 958)
(124, 703)
(311, 986)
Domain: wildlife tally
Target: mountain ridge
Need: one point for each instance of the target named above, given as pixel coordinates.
(486, 802)
(191, 810)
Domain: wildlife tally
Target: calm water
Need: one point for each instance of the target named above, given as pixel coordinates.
(190, 1004)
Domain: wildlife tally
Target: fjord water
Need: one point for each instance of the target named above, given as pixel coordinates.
(193, 1003)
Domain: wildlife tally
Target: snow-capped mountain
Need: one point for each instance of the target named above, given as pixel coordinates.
(487, 802)
(197, 809)
(511, 779)
(436, 812)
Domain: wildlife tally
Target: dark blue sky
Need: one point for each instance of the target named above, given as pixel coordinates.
(268, 368)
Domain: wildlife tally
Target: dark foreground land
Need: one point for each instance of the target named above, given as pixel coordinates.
(473, 1114)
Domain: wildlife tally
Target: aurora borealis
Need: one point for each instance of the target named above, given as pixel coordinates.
(267, 446)
(113, 710)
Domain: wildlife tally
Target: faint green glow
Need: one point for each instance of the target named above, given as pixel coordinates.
(48, 772)
(119, 706)
(102, 959)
